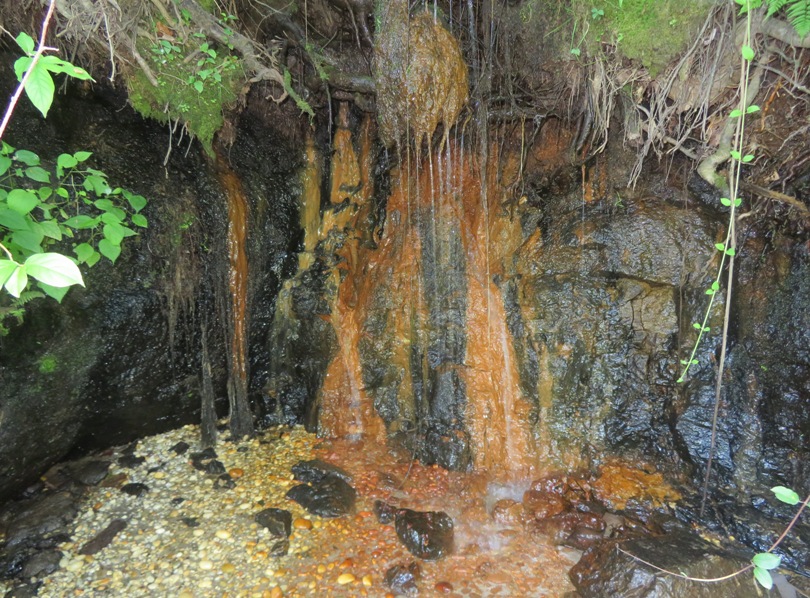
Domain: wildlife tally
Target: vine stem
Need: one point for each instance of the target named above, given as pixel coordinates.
(773, 547)
(41, 48)
(8, 253)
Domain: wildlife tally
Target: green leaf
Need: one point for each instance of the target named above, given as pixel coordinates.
(29, 240)
(715, 286)
(22, 201)
(684, 362)
(736, 155)
(786, 495)
(725, 201)
(748, 53)
(110, 218)
(139, 220)
(56, 65)
(5, 164)
(108, 250)
(737, 202)
(93, 259)
(7, 267)
(96, 184)
(25, 42)
(104, 204)
(12, 220)
(40, 88)
(198, 85)
(51, 230)
(81, 221)
(696, 326)
(113, 234)
(82, 156)
(751, 109)
(710, 291)
(66, 161)
(54, 269)
(44, 193)
(747, 158)
(735, 113)
(763, 577)
(57, 293)
(694, 361)
(719, 247)
(798, 13)
(26, 157)
(137, 202)
(38, 174)
(731, 251)
(83, 252)
(766, 560)
(17, 281)
(680, 380)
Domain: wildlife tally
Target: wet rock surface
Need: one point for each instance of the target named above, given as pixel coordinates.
(427, 535)
(403, 578)
(605, 570)
(330, 496)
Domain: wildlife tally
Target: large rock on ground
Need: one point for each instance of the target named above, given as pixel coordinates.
(606, 571)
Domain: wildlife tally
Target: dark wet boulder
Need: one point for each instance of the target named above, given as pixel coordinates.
(180, 448)
(608, 570)
(402, 578)
(131, 461)
(427, 535)
(41, 518)
(315, 470)
(90, 473)
(278, 522)
(41, 564)
(384, 512)
(135, 489)
(328, 497)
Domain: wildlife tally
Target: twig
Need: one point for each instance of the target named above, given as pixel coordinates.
(41, 48)
(730, 575)
(775, 195)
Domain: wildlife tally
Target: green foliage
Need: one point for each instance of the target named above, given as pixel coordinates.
(796, 11)
(40, 87)
(196, 79)
(786, 495)
(67, 204)
(48, 364)
(651, 33)
(302, 104)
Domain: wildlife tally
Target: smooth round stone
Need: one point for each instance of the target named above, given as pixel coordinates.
(367, 581)
(223, 534)
(345, 578)
(301, 523)
(197, 532)
(228, 568)
(206, 565)
(186, 594)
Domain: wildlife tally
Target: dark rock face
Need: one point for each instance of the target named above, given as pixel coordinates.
(330, 496)
(402, 578)
(427, 535)
(126, 350)
(606, 571)
(316, 470)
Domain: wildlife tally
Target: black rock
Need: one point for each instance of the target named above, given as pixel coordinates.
(103, 538)
(402, 579)
(41, 564)
(605, 571)
(385, 513)
(214, 467)
(427, 535)
(130, 461)
(40, 518)
(279, 547)
(180, 448)
(329, 497)
(135, 489)
(316, 470)
(190, 521)
(91, 473)
(177, 500)
(208, 453)
(25, 590)
(277, 521)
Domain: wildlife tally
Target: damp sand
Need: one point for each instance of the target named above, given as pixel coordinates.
(208, 544)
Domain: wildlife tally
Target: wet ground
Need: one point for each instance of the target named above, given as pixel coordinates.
(208, 543)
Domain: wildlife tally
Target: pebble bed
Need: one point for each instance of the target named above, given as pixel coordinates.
(188, 538)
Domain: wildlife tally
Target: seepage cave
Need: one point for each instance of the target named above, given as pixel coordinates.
(410, 311)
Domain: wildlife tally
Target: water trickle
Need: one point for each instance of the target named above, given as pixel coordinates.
(241, 419)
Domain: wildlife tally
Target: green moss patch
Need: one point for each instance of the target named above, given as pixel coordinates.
(196, 81)
(651, 32)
